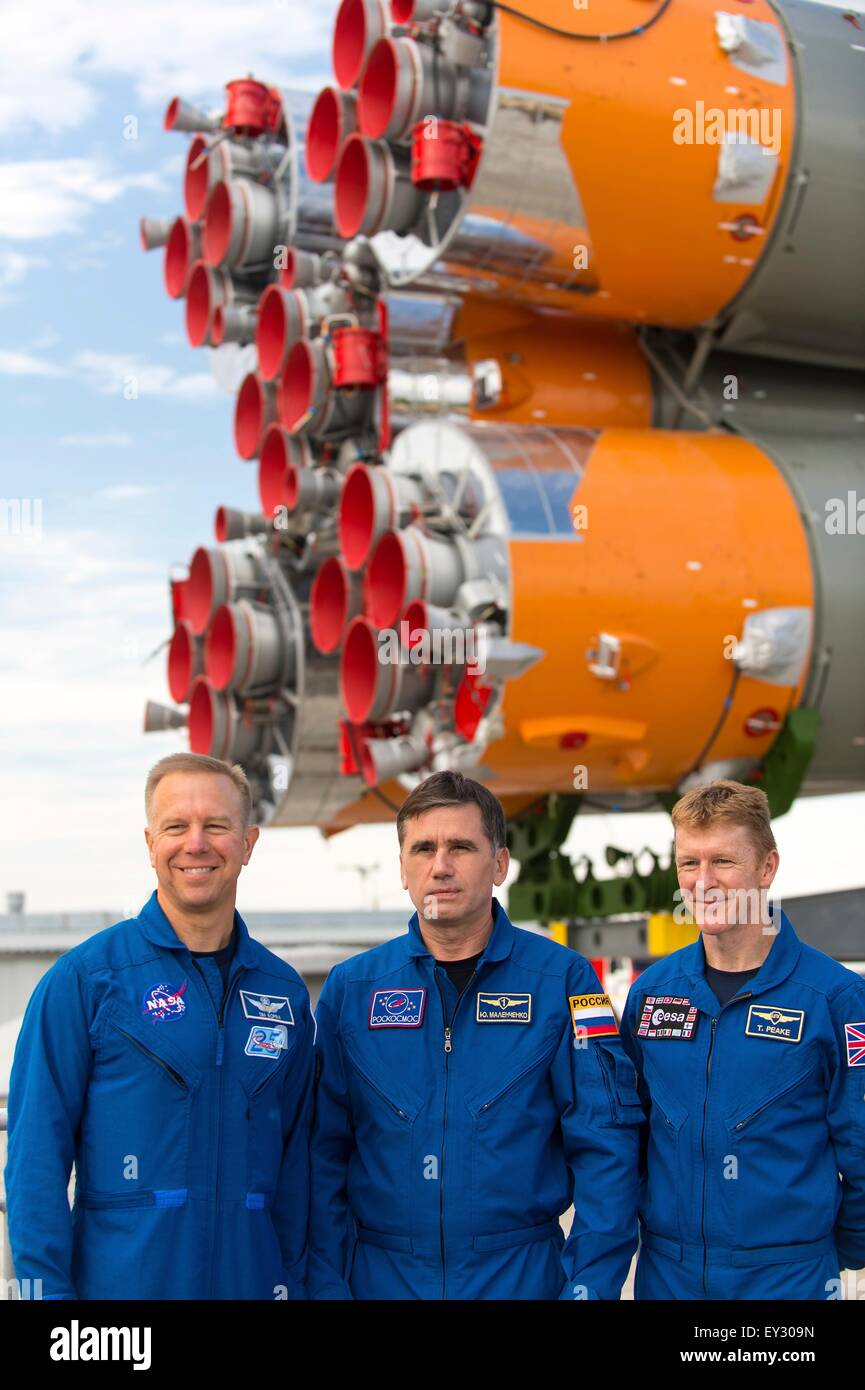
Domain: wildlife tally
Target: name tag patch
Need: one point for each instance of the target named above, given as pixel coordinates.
(504, 1008)
(592, 1016)
(266, 1042)
(397, 1008)
(770, 1021)
(269, 1008)
(667, 1016)
(855, 1034)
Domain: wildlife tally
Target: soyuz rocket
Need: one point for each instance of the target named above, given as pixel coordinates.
(546, 325)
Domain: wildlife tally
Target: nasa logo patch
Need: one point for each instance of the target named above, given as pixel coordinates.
(667, 1016)
(266, 1042)
(397, 1008)
(163, 1002)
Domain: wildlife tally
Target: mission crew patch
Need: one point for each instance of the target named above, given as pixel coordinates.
(667, 1016)
(769, 1021)
(592, 1016)
(504, 1008)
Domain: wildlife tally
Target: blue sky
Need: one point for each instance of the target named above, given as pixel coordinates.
(128, 487)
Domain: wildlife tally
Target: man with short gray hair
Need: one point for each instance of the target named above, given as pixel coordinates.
(170, 1058)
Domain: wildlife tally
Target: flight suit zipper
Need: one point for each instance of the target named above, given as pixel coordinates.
(737, 998)
(448, 1049)
(220, 1052)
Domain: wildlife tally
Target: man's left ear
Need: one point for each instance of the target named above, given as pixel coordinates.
(503, 861)
(251, 836)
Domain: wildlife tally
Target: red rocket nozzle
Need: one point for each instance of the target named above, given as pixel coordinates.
(356, 525)
(182, 250)
(358, 25)
(386, 581)
(196, 179)
(361, 672)
(216, 237)
(378, 89)
(353, 177)
(184, 662)
(334, 599)
(254, 411)
(332, 119)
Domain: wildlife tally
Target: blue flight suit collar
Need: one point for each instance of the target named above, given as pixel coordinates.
(498, 947)
(158, 929)
(778, 965)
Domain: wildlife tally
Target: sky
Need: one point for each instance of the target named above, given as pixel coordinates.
(123, 485)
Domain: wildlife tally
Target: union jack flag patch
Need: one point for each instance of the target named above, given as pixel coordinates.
(855, 1044)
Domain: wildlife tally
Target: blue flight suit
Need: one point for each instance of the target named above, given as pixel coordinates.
(756, 1108)
(452, 1130)
(186, 1109)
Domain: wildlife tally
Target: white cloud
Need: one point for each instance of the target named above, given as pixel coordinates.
(125, 492)
(24, 364)
(41, 198)
(96, 441)
(14, 265)
(113, 373)
(62, 48)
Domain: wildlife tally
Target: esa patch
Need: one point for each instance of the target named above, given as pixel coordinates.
(266, 1042)
(504, 1008)
(267, 1008)
(592, 1016)
(397, 1008)
(769, 1021)
(667, 1016)
(164, 1002)
(855, 1035)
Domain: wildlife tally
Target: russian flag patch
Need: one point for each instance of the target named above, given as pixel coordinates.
(592, 1016)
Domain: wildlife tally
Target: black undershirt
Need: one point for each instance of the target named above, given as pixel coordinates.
(725, 984)
(222, 957)
(460, 971)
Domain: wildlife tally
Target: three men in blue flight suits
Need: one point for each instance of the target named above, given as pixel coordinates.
(471, 1086)
(750, 1049)
(171, 1058)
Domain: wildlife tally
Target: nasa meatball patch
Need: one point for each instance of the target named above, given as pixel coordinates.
(667, 1016)
(397, 1008)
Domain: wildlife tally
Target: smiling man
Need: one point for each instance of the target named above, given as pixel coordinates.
(170, 1058)
(471, 1087)
(750, 1048)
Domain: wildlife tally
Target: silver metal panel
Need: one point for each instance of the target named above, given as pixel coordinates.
(818, 471)
(806, 299)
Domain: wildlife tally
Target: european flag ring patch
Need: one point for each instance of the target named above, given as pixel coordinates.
(397, 1008)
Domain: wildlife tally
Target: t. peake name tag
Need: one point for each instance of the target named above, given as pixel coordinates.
(767, 1021)
(397, 1008)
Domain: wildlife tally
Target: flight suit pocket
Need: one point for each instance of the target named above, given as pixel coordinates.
(620, 1084)
(384, 1112)
(264, 1083)
(515, 1183)
(665, 1187)
(135, 1131)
